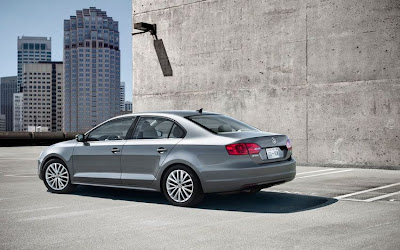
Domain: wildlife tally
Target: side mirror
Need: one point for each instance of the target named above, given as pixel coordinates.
(80, 138)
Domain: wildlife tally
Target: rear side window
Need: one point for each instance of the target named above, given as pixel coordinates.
(156, 128)
(176, 132)
(220, 124)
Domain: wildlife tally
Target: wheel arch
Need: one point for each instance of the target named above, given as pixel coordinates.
(172, 164)
(49, 158)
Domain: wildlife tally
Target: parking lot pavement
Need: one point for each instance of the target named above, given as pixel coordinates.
(321, 208)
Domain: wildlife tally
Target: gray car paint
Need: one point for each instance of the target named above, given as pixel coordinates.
(139, 165)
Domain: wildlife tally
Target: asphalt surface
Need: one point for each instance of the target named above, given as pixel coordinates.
(322, 208)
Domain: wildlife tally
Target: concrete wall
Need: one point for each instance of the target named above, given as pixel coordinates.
(324, 72)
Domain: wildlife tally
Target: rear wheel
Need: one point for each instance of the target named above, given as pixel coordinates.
(182, 187)
(57, 178)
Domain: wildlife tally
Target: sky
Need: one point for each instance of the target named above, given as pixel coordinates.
(46, 18)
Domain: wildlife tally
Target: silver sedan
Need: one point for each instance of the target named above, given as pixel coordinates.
(183, 154)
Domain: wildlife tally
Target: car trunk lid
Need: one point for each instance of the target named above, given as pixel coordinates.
(273, 146)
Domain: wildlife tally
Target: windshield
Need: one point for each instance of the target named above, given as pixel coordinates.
(220, 124)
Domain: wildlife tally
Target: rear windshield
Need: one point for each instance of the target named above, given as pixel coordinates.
(220, 124)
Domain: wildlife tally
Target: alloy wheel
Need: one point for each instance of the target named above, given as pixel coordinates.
(57, 176)
(179, 185)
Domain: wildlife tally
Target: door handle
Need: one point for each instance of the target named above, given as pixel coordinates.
(161, 150)
(115, 150)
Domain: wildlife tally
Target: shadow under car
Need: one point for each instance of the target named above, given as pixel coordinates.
(262, 202)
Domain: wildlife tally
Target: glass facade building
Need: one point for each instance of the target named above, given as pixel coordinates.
(122, 96)
(43, 97)
(18, 112)
(128, 106)
(91, 68)
(2, 123)
(31, 50)
(8, 86)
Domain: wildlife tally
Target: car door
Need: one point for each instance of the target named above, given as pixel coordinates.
(97, 160)
(153, 139)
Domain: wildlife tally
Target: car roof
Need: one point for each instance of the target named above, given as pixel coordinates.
(182, 113)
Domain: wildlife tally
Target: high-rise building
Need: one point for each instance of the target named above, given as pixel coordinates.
(128, 106)
(31, 50)
(43, 96)
(122, 96)
(18, 111)
(8, 86)
(2, 123)
(92, 69)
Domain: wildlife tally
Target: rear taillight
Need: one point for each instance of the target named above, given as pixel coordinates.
(253, 148)
(237, 149)
(243, 148)
(289, 144)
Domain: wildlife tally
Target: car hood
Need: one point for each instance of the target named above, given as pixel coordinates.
(65, 143)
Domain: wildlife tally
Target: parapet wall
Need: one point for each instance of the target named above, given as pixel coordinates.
(326, 73)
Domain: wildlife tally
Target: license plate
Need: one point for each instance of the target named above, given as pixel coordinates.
(272, 153)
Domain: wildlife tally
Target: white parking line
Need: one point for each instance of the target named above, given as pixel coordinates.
(34, 210)
(20, 175)
(336, 172)
(17, 197)
(77, 213)
(19, 159)
(309, 172)
(382, 196)
(365, 191)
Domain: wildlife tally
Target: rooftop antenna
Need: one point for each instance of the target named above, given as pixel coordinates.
(200, 110)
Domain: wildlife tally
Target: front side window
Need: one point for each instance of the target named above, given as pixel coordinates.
(220, 124)
(155, 128)
(113, 130)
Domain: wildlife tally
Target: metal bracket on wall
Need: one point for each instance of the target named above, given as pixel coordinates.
(158, 46)
(146, 27)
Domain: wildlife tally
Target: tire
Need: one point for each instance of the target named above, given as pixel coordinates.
(56, 177)
(178, 182)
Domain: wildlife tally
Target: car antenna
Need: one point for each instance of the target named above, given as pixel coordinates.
(200, 110)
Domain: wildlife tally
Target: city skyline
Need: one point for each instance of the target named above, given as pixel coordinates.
(51, 25)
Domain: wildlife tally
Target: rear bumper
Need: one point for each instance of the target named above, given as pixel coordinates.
(226, 180)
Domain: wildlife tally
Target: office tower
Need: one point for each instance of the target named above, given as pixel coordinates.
(18, 112)
(31, 50)
(122, 96)
(128, 106)
(8, 86)
(2, 123)
(43, 96)
(92, 69)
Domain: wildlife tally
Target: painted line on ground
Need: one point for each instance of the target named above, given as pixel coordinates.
(350, 199)
(21, 175)
(19, 159)
(366, 191)
(77, 213)
(382, 196)
(9, 198)
(34, 210)
(309, 172)
(336, 172)
(379, 225)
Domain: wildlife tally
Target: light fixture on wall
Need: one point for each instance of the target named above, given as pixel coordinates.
(158, 45)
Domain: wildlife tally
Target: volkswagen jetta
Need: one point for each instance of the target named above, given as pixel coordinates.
(183, 154)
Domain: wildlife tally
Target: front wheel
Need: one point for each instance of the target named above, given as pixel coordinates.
(57, 178)
(182, 187)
